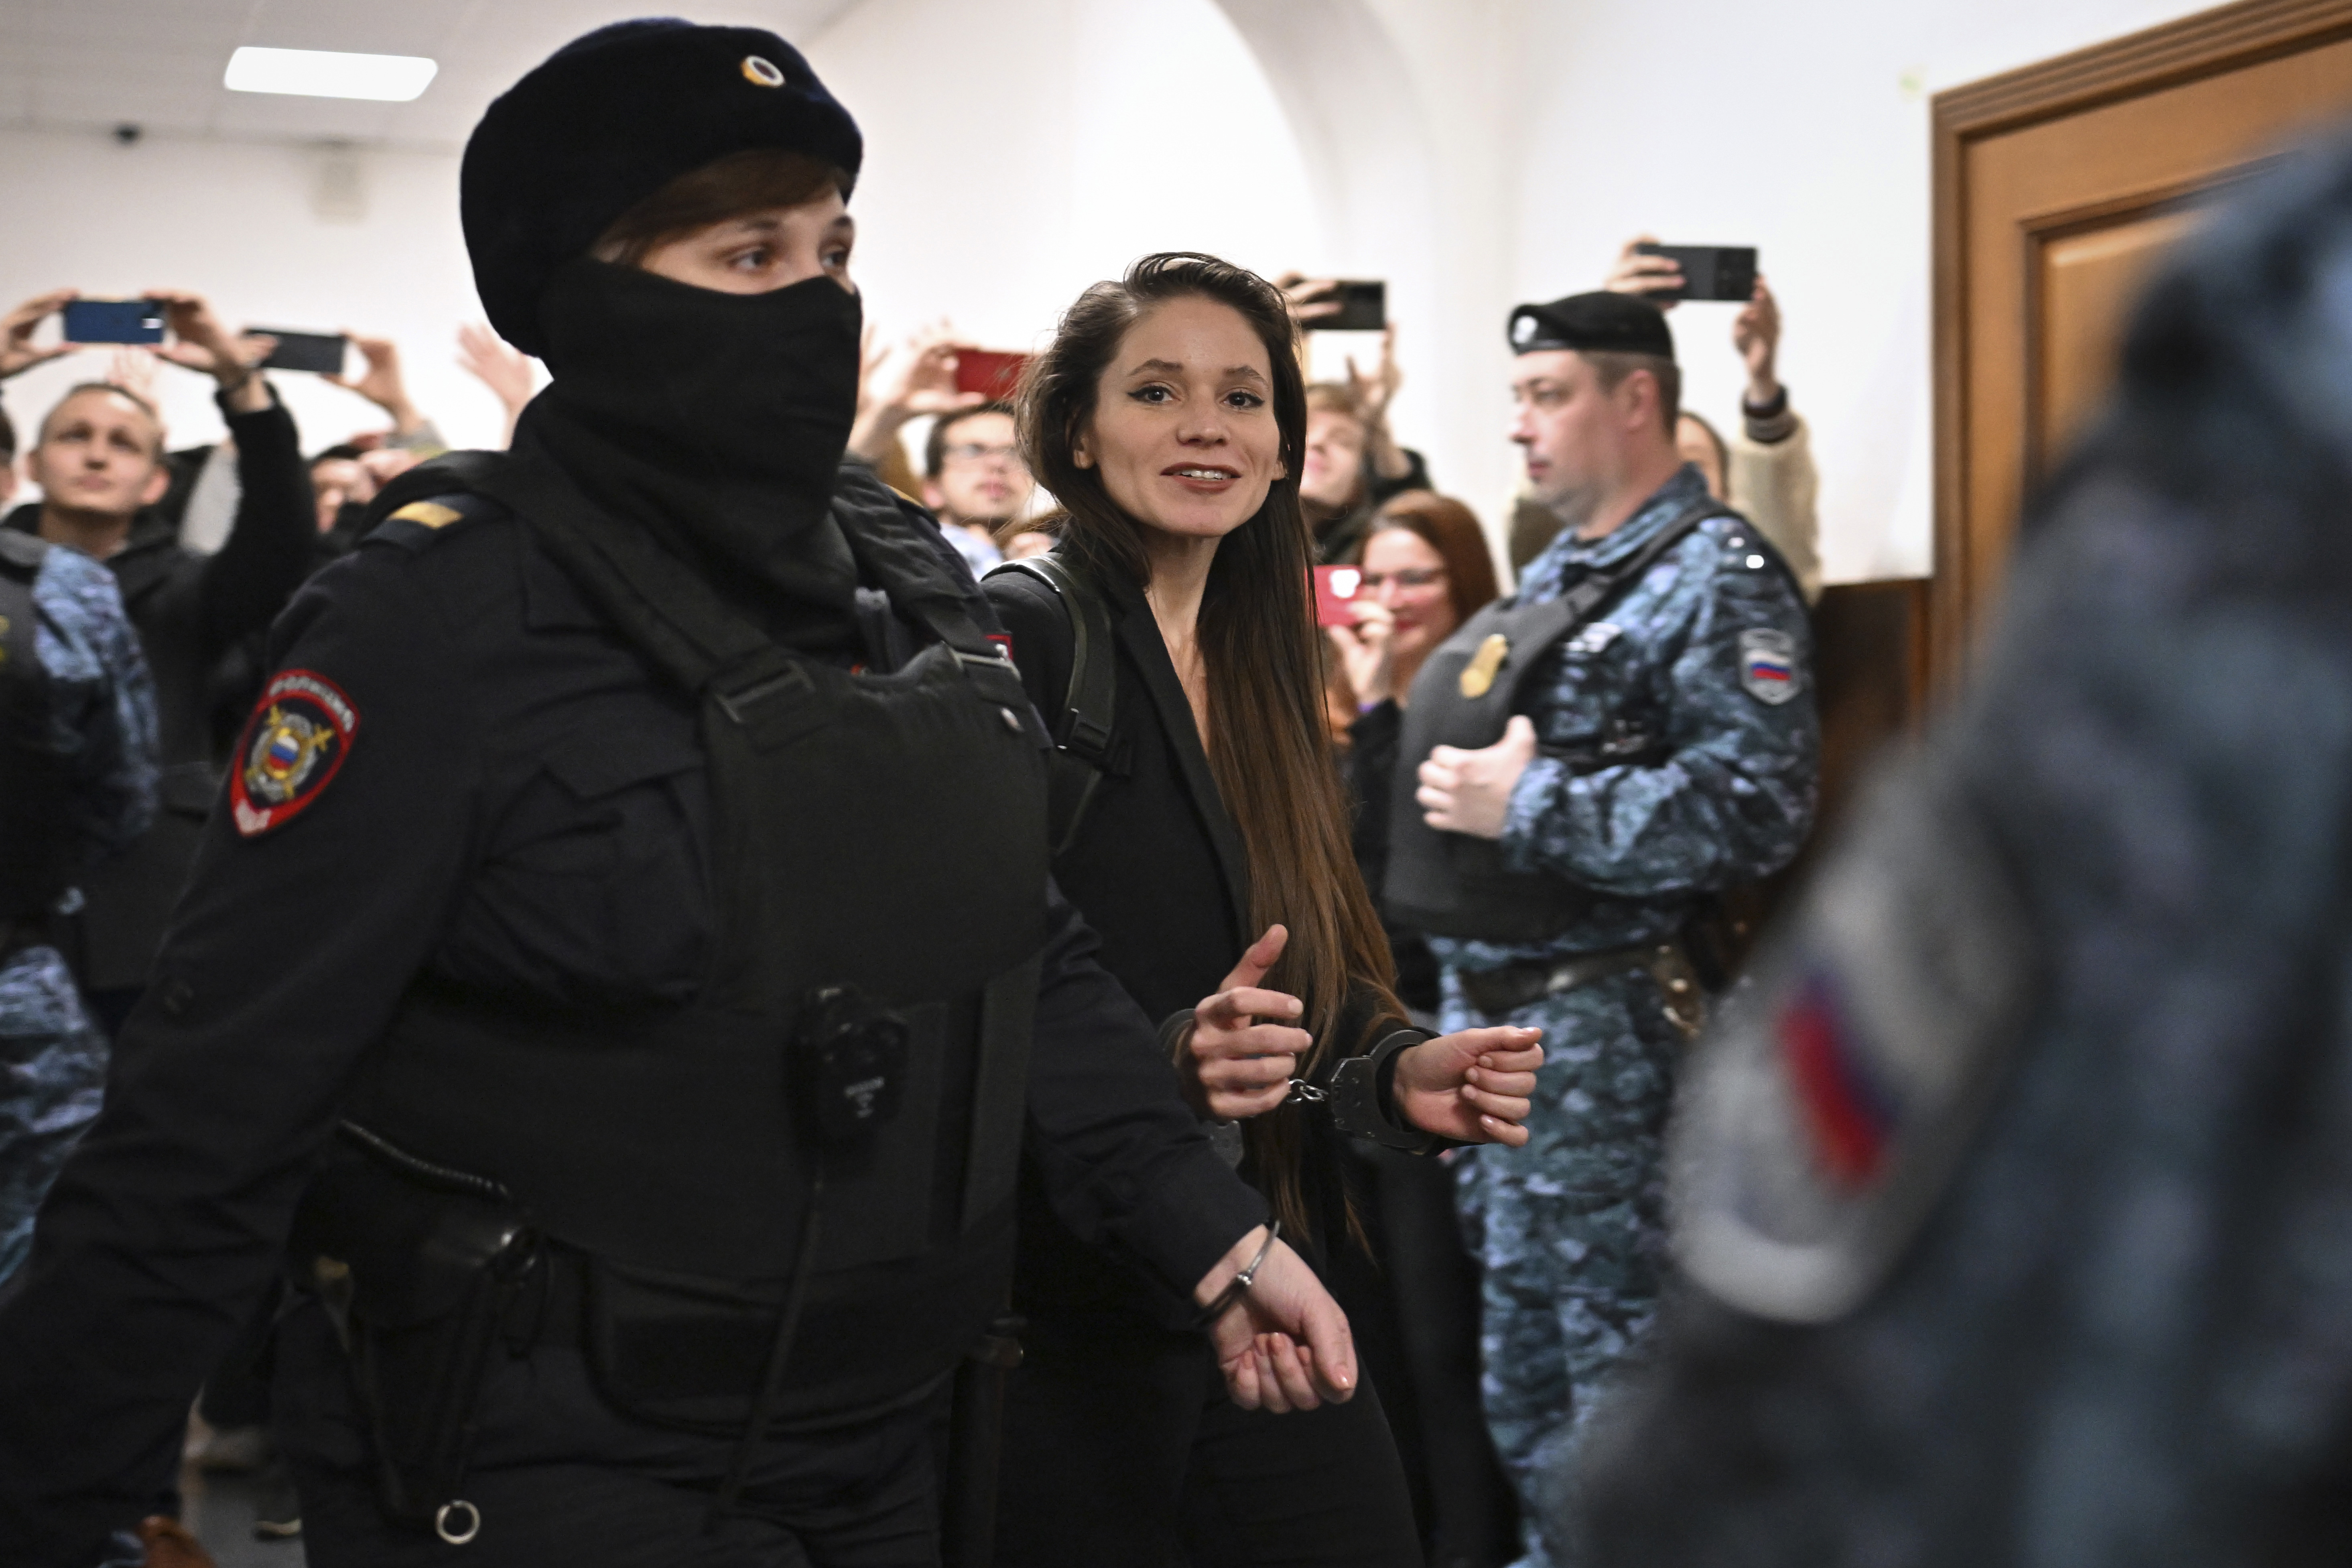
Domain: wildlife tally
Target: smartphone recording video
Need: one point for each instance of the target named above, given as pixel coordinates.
(321, 353)
(1363, 308)
(1336, 588)
(113, 322)
(994, 375)
(1710, 271)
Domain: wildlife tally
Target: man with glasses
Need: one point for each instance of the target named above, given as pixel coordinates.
(974, 480)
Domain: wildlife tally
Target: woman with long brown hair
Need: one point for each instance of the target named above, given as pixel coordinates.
(1168, 419)
(1426, 570)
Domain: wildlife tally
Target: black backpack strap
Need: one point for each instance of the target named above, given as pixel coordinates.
(1598, 589)
(885, 534)
(1082, 730)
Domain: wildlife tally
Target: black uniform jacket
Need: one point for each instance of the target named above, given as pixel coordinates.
(1158, 869)
(191, 611)
(520, 809)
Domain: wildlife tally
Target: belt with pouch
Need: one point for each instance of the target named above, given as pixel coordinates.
(1497, 993)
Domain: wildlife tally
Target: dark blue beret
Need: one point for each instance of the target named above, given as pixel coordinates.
(1598, 322)
(608, 120)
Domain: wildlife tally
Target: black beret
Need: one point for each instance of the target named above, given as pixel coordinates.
(1598, 322)
(608, 120)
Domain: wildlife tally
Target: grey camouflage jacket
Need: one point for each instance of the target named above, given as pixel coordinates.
(1709, 658)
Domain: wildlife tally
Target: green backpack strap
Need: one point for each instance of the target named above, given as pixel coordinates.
(1082, 729)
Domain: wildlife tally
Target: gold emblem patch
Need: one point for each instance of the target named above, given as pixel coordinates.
(1478, 674)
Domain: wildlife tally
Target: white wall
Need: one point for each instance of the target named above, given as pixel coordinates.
(1789, 127)
(235, 222)
(1474, 153)
(1017, 152)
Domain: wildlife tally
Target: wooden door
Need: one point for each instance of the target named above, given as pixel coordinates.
(2057, 186)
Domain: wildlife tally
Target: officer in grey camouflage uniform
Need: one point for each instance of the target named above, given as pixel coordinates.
(98, 740)
(2022, 1198)
(1665, 751)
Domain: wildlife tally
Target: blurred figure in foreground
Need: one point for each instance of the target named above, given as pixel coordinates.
(2019, 1191)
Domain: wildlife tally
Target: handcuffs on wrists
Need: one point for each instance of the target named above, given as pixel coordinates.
(1354, 1097)
(1238, 1286)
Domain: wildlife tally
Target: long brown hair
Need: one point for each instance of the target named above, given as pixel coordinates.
(1451, 529)
(1272, 764)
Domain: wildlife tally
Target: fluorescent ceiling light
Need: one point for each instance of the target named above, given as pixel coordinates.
(326, 73)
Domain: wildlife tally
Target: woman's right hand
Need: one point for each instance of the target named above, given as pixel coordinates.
(1235, 1067)
(1366, 655)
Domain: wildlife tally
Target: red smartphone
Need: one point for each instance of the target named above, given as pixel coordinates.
(1334, 591)
(988, 371)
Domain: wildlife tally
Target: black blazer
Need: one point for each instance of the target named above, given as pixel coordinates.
(1158, 867)
(1160, 872)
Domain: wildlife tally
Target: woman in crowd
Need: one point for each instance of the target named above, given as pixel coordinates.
(706, 895)
(1169, 417)
(1426, 570)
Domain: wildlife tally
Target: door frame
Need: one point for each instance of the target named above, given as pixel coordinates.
(2210, 43)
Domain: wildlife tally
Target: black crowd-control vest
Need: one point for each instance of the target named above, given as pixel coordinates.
(1452, 884)
(883, 830)
(34, 843)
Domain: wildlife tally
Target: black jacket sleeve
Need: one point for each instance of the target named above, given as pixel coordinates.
(289, 953)
(273, 543)
(1123, 1158)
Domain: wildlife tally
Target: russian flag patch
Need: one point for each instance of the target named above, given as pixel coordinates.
(1768, 665)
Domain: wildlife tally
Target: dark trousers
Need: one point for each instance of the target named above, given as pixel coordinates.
(1417, 1332)
(1126, 1451)
(562, 1481)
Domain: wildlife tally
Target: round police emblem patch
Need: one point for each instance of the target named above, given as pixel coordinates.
(293, 745)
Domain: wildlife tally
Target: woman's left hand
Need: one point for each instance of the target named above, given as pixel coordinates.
(1473, 1087)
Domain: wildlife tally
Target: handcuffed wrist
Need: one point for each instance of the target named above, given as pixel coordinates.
(1244, 1277)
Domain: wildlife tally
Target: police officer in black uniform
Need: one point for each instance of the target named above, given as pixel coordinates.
(623, 973)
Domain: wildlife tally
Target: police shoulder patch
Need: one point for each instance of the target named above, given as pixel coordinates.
(1768, 666)
(292, 747)
(1831, 1104)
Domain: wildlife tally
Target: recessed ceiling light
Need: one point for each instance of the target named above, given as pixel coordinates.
(327, 73)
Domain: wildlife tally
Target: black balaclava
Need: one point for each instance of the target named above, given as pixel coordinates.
(715, 420)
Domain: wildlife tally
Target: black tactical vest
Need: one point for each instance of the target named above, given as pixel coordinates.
(35, 846)
(884, 831)
(1452, 884)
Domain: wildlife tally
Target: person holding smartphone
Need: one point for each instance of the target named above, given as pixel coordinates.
(1767, 470)
(624, 975)
(99, 459)
(1169, 417)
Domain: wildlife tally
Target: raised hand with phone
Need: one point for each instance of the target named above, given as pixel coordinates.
(1766, 469)
(199, 341)
(904, 382)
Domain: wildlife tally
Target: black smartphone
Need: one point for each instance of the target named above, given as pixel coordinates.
(1363, 308)
(113, 322)
(321, 351)
(1710, 271)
